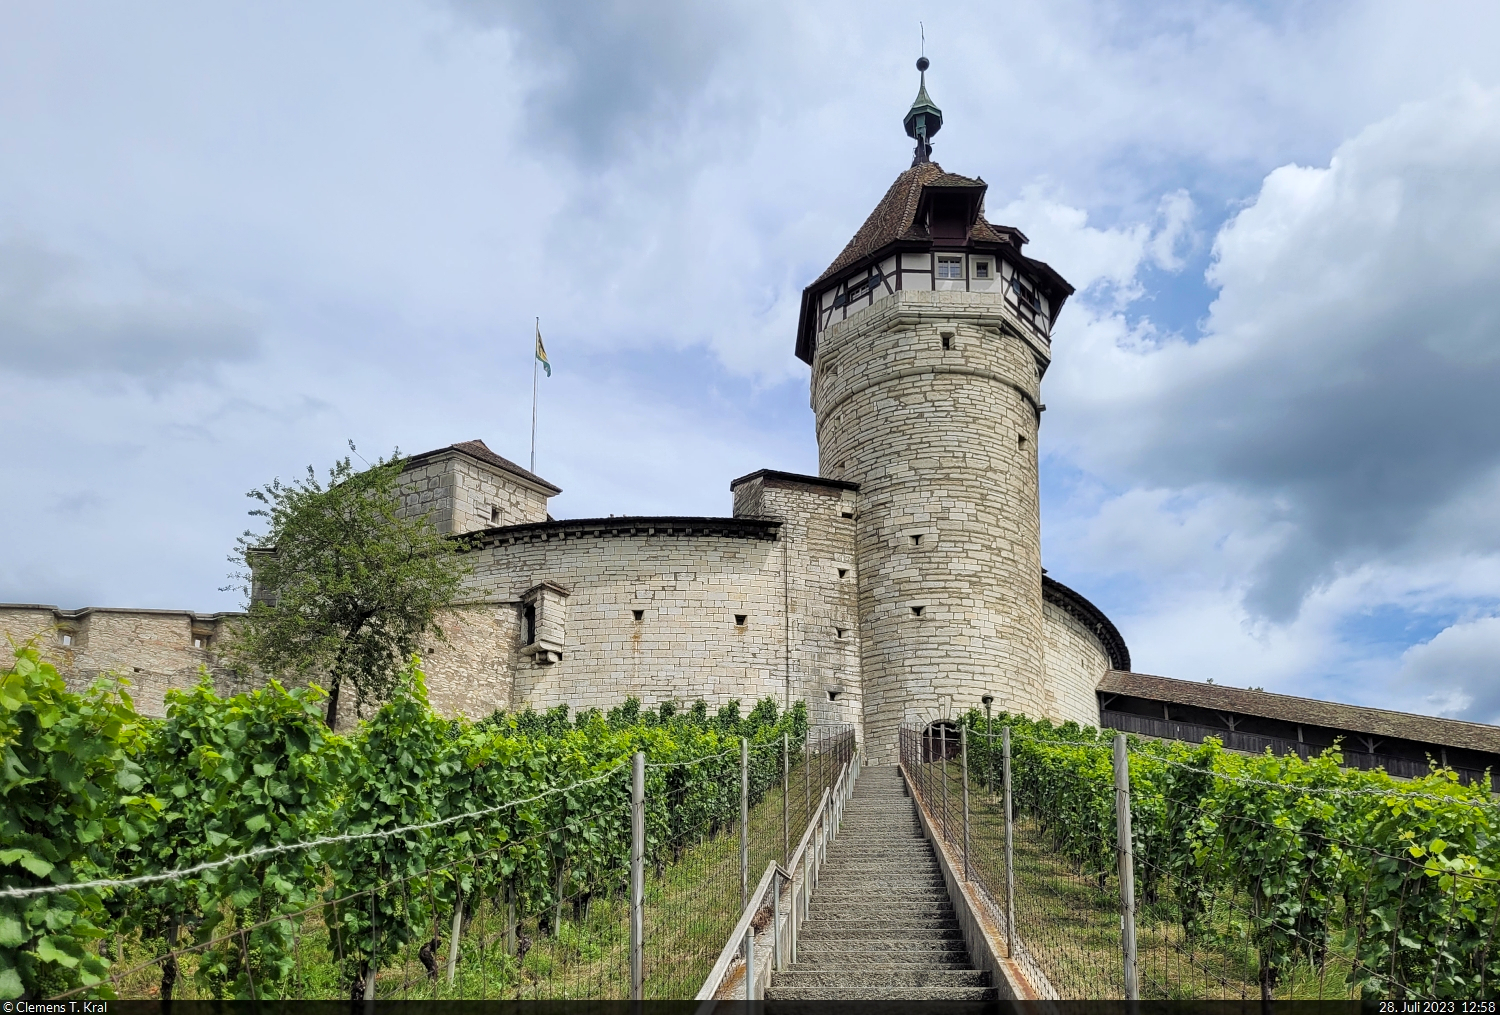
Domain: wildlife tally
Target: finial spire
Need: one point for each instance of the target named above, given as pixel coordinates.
(924, 119)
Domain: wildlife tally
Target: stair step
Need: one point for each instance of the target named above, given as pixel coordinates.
(883, 961)
(774, 993)
(868, 979)
(830, 946)
(854, 930)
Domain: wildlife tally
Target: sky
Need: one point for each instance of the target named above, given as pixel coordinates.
(235, 237)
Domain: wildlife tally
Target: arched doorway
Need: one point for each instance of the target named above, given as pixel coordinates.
(940, 741)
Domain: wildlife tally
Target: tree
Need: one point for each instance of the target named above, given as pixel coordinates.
(342, 583)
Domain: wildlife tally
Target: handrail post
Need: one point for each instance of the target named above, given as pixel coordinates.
(744, 822)
(1125, 853)
(750, 964)
(963, 746)
(637, 873)
(776, 921)
(1010, 853)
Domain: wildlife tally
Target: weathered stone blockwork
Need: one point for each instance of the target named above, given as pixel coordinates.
(155, 650)
(929, 401)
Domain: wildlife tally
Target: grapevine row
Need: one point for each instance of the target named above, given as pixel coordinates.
(91, 790)
(1401, 878)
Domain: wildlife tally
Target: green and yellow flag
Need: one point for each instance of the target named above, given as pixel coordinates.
(541, 350)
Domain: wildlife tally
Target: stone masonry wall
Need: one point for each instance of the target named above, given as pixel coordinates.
(460, 494)
(817, 539)
(942, 443)
(1075, 663)
(152, 649)
(686, 645)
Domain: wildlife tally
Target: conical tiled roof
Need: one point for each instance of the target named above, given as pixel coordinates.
(894, 217)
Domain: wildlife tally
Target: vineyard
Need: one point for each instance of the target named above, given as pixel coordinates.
(238, 849)
(1254, 876)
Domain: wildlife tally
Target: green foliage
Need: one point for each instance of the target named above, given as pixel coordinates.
(534, 804)
(73, 806)
(1403, 878)
(341, 583)
(233, 776)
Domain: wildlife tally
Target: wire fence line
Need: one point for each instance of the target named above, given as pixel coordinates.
(307, 844)
(1238, 886)
(529, 918)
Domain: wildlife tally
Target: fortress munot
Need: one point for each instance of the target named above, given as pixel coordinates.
(903, 583)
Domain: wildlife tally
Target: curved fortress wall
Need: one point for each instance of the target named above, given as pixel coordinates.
(586, 613)
(928, 400)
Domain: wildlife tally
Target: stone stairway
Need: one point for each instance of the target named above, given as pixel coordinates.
(881, 926)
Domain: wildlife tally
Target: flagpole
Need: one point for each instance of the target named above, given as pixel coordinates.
(534, 363)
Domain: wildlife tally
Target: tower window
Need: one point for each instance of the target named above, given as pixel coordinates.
(67, 639)
(494, 515)
(843, 572)
(981, 269)
(528, 620)
(947, 342)
(1020, 441)
(950, 267)
(834, 695)
(840, 631)
(916, 540)
(198, 643)
(739, 619)
(916, 611)
(639, 614)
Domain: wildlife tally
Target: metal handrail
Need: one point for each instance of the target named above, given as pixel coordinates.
(827, 817)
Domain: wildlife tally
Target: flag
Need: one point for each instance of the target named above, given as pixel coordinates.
(541, 350)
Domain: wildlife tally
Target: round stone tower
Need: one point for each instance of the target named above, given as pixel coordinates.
(928, 338)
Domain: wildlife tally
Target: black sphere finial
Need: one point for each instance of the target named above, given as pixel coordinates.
(923, 63)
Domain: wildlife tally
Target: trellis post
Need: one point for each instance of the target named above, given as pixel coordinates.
(1010, 853)
(637, 874)
(1125, 855)
(786, 780)
(744, 822)
(963, 746)
(458, 922)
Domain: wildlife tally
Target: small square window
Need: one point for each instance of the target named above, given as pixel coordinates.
(950, 267)
(843, 572)
(834, 695)
(840, 631)
(981, 269)
(67, 639)
(197, 643)
(739, 619)
(916, 611)
(916, 540)
(639, 614)
(494, 515)
(847, 514)
(947, 342)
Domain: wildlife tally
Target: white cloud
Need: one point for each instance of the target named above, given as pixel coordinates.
(58, 317)
(1346, 374)
(1457, 673)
